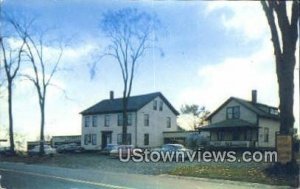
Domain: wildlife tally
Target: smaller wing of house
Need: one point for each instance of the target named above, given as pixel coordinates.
(241, 123)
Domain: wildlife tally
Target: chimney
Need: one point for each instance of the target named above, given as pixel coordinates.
(254, 96)
(111, 95)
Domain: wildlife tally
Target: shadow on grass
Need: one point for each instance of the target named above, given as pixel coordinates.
(272, 175)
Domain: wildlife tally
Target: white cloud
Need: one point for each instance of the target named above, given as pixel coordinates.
(247, 17)
(236, 77)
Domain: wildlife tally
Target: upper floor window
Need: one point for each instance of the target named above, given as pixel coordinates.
(266, 134)
(168, 122)
(161, 103)
(94, 121)
(120, 119)
(146, 119)
(129, 119)
(155, 105)
(87, 121)
(233, 112)
(106, 120)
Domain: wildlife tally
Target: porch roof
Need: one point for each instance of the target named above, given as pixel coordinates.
(230, 123)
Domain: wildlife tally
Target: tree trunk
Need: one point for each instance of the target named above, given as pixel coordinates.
(10, 115)
(125, 117)
(42, 108)
(285, 73)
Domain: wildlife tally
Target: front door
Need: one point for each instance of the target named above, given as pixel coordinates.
(106, 138)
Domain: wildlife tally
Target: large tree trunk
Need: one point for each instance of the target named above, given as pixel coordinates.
(285, 75)
(10, 115)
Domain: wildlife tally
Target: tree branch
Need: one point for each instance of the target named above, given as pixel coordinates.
(269, 11)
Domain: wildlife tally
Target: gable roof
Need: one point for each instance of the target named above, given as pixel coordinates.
(134, 103)
(257, 108)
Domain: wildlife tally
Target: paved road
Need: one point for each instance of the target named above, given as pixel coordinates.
(21, 176)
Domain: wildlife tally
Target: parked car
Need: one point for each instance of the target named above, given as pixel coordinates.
(125, 150)
(71, 148)
(108, 148)
(5, 151)
(48, 150)
(174, 148)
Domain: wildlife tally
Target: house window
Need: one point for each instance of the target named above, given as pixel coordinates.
(155, 105)
(94, 121)
(146, 119)
(221, 135)
(168, 122)
(106, 120)
(87, 121)
(120, 119)
(266, 134)
(129, 119)
(87, 139)
(254, 135)
(233, 112)
(146, 139)
(94, 139)
(119, 138)
(236, 135)
(249, 135)
(161, 105)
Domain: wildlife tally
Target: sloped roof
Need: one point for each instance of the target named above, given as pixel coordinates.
(134, 103)
(236, 123)
(254, 107)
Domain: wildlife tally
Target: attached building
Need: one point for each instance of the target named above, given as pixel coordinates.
(242, 123)
(149, 116)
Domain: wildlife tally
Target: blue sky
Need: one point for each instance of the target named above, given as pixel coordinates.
(212, 51)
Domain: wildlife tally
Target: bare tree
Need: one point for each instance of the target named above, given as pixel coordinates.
(131, 34)
(284, 51)
(11, 58)
(43, 71)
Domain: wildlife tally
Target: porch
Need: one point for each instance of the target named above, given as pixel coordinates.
(232, 133)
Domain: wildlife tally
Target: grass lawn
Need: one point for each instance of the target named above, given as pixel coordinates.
(235, 173)
(247, 172)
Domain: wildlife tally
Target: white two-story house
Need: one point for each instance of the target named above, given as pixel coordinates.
(242, 123)
(149, 116)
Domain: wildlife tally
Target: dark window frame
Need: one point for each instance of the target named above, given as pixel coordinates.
(266, 134)
(220, 135)
(94, 121)
(86, 121)
(146, 120)
(155, 105)
(233, 112)
(146, 139)
(161, 105)
(106, 120)
(94, 139)
(120, 119)
(169, 124)
(87, 139)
